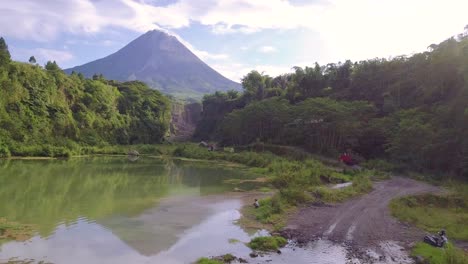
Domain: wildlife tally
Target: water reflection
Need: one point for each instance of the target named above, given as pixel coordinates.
(90, 242)
(52, 193)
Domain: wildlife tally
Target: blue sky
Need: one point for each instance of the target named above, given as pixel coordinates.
(232, 36)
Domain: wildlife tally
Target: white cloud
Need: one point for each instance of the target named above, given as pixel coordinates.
(235, 71)
(362, 29)
(43, 55)
(59, 56)
(44, 20)
(357, 29)
(203, 55)
(267, 49)
(227, 29)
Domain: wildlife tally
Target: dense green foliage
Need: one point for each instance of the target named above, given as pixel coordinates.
(44, 112)
(270, 243)
(408, 110)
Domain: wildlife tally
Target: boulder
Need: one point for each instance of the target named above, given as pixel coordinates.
(133, 153)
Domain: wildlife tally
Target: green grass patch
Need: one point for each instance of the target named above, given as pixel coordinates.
(69, 149)
(208, 261)
(265, 189)
(226, 258)
(233, 241)
(434, 255)
(271, 243)
(361, 184)
(432, 213)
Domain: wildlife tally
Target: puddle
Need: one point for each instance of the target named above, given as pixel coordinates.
(341, 185)
(390, 253)
(319, 252)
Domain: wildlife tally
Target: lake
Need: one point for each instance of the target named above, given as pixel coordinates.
(113, 210)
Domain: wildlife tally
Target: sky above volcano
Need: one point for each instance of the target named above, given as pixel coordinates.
(232, 36)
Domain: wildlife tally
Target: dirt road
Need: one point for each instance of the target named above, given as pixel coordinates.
(364, 222)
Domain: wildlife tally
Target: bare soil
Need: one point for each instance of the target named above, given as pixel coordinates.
(362, 222)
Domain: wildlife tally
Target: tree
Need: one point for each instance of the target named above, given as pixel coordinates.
(5, 56)
(410, 110)
(32, 60)
(255, 84)
(52, 66)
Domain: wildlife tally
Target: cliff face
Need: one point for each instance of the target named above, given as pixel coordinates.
(184, 120)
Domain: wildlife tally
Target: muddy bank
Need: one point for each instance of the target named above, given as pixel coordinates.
(361, 223)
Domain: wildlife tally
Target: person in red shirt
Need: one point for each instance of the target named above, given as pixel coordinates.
(346, 159)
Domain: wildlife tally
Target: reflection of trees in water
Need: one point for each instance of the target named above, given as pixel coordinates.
(47, 193)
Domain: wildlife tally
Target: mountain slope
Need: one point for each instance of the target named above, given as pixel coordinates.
(162, 62)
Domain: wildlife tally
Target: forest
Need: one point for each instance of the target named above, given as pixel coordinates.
(406, 112)
(45, 112)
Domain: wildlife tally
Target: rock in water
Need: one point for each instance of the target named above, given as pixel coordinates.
(133, 153)
(253, 254)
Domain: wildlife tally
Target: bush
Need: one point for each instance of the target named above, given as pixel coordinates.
(60, 152)
(381, 165)
(149, 149)
(4, 152)
(295, 195)
(362, 182)
(271, 243)
(268, 208)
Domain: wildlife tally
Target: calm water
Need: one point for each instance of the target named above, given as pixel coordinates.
(112, 210)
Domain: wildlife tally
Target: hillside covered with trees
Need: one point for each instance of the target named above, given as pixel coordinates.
(44, 112)
(410, 110)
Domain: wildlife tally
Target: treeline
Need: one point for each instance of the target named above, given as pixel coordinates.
(412, 111)
(44, 112)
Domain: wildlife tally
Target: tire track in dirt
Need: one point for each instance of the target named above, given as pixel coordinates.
(364, 221)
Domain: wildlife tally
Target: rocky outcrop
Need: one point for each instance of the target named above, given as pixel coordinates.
(184, 120)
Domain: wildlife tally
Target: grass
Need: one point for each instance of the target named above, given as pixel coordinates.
(361, 184)
(208, 261)
(432, 213)
(271, 215)
(270, 243)
(447, 255)
(70, 149)
(226, 258)
(233, 241)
